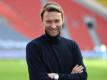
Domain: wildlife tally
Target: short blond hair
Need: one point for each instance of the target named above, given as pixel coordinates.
(51, 7)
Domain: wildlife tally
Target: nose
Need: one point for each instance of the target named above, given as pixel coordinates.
(53, 25)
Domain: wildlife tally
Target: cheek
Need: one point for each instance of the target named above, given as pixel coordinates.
(60, 27)
(46, 25)
(47, 28)
(60, 24)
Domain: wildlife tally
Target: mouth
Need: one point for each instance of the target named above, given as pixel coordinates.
(53, 30)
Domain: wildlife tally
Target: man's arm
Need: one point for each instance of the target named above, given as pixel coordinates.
(36, 68)
(79, 60)
(78, 72)
(76, 69)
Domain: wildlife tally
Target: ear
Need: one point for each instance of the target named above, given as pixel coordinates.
(42, 23)
(62, 21)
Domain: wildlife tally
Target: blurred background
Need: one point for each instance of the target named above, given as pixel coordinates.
(20, 22)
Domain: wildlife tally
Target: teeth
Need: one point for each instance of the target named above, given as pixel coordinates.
(53, 30)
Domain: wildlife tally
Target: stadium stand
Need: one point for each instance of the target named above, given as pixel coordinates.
(23, 18)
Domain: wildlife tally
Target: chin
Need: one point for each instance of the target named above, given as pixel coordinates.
(53, 34)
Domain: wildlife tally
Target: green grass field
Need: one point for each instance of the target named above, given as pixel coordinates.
(17, 69)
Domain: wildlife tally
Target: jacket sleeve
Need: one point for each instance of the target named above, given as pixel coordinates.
(77, 60)
(36, 68)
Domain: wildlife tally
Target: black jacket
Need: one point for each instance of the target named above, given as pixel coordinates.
(53, 55)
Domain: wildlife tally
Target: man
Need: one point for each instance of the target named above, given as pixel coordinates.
(50, 56)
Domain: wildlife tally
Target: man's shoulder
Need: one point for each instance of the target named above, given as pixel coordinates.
(36, 41)
(70, 41)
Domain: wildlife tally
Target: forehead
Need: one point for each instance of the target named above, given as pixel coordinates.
(52, 15)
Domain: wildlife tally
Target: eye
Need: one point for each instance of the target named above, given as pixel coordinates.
(48, 21)
(56, 21)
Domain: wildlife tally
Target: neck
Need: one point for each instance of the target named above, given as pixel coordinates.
(52, 39)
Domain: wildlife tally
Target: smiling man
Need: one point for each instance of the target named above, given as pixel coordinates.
(50, 56)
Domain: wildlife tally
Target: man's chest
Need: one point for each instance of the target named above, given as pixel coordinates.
(57, 57)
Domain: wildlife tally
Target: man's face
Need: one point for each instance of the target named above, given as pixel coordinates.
(52, 22)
